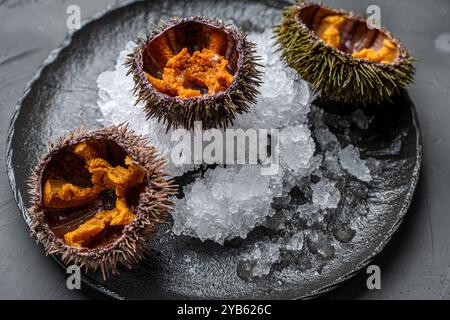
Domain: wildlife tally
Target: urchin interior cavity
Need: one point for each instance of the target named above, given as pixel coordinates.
(190, 59)
(193, 75)
(86, 192)
(349, 34)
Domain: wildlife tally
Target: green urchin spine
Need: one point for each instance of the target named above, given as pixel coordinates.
(214, 112)
(335, 75)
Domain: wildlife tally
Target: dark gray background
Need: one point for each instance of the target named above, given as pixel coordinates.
(415, 265)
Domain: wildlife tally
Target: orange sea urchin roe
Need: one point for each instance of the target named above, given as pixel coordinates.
(60, 194)
(121, 215)
(386, 54)
(329, 31)
(184, 73)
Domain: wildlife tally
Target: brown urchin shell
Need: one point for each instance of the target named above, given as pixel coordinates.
(150, 202)
(333, 71)
(218, 110)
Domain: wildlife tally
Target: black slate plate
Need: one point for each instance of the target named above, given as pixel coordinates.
(63, 96)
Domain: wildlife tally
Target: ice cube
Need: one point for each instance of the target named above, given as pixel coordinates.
(258, 260)
(351, 162)
(325, 194)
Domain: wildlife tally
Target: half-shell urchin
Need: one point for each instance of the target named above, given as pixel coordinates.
(194, 69)
(96, 195)
(340, 56)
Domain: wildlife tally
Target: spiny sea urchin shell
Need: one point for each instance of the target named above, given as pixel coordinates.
(337, 64)
(217, 109)
(96, 195)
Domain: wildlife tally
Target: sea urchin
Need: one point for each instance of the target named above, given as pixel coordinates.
(194, 69)
(96, 195)
(340, 56)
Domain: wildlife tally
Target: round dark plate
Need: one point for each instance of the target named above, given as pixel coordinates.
(63, 96)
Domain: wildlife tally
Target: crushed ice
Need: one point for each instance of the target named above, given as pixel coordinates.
(223, 203)
(226, 203)
(352, 163)
(325, 194)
